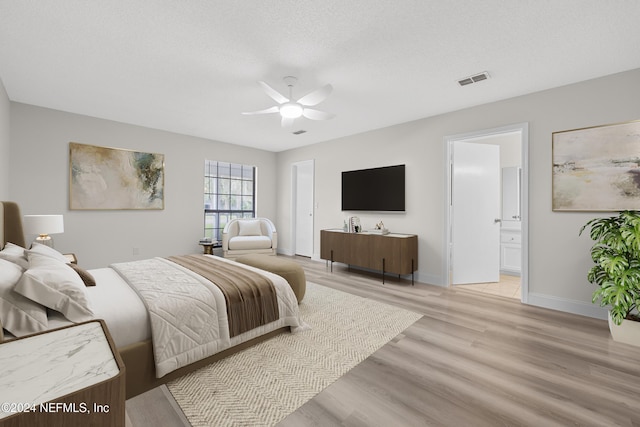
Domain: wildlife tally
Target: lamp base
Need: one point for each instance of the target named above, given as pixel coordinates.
(45, 239)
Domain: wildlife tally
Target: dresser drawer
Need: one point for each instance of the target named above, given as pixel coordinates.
(510, 237)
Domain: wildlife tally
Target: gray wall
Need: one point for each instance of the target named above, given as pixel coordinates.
(558, 258)
(40, 180)
(4, 142)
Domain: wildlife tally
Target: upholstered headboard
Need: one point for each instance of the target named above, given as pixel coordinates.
(11, 224)
(10, 231)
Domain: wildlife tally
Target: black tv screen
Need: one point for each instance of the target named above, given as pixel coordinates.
(377, 189)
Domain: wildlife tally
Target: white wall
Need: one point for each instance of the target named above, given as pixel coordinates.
(558, 258)
(510, 147)
(40, 181)
(4, 142)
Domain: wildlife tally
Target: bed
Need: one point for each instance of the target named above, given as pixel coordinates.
(149, 307)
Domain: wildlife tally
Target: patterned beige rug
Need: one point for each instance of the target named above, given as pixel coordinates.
(263, 384)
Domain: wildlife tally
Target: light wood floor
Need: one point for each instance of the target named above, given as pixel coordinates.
(508, 286)
(472, 360)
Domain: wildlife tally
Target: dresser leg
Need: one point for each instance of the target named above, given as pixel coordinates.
(332, 260)
(412, 272)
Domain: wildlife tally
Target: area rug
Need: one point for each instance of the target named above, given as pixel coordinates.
(263, 384)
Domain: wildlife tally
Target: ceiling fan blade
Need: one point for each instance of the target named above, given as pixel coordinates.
(317, 114)
(273, 109)
(274, 94)
(287, 122)
(316, 97)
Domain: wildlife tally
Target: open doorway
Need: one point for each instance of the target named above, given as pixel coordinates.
(486, 237)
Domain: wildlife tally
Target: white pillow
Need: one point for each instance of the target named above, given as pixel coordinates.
(15, 254)
(46, 250)
(249, 227)
(18, 315)
(55, 285)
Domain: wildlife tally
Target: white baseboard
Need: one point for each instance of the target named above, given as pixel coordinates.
(570, 306)
(430, 279)
(284, 251)
(539, 300)
(515, 273)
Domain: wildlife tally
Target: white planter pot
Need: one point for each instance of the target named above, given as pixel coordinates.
(628, 332)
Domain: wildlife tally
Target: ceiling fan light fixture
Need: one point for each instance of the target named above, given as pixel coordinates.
(291, 110)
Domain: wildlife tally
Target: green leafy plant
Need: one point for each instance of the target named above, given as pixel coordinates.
(616, 254)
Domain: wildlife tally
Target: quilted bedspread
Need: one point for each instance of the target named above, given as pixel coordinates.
(188, 314)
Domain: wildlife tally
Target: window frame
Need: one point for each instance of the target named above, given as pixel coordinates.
(227, 184)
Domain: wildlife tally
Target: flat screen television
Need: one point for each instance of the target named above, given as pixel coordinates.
(377, 189)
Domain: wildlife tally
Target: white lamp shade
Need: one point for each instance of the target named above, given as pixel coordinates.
(43, 224)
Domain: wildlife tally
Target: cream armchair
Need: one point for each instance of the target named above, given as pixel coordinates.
(249, 236)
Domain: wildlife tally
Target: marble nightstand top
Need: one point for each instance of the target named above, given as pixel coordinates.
(44, 367)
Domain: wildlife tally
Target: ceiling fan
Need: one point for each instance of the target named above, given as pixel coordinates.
(290, 110)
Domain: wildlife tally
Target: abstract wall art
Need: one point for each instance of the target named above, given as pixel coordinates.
(112, 178)
(597, 168)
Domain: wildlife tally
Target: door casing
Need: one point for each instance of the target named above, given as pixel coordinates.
(523, 129)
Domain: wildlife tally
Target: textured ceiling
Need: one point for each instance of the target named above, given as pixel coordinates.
(191, 66)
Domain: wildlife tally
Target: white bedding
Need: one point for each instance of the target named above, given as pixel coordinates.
(114, 301)
(128, 321)
(188, 313)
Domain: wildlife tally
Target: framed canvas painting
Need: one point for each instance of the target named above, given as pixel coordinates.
(112, 178)
(597, 168)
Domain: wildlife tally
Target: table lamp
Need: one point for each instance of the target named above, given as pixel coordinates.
(43, 226)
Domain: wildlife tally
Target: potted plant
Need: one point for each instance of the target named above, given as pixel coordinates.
(616, 254)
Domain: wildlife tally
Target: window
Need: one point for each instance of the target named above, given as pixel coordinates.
(229, 193)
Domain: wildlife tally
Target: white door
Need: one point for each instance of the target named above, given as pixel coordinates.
(475, 211)
(303, 173)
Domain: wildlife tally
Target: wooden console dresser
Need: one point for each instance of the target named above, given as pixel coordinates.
(388, 253)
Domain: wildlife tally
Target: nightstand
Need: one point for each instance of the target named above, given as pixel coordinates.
(71, 376)
(72, 258)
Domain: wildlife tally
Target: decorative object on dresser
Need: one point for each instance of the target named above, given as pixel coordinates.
(354, 224)
(390, 253)
(616, 254)
(43, 226)
(71, 376)
(379, 229)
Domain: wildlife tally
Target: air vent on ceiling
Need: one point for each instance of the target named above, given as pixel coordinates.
(299, 132)
(473, 79)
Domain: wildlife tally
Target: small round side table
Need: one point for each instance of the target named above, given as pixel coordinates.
(207, 248)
